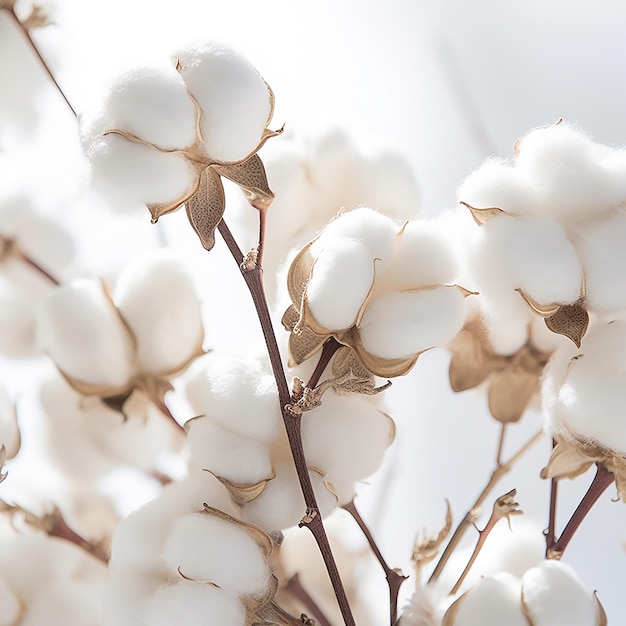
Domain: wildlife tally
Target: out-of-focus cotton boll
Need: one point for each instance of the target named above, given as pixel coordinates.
(9, 430)
(235, 100)
(532, 255)
(342, 277)
(495, 601)
(562, 165)
(497, 183)
(10, 606)
(237, 394)
(192, 604)
(281, 504)
(151, 102)
(157, 298)
(211, 550)
(83, 333)
(17, 314)
(589, 401)
(400, 324)
(342, 422)
(229, 455)
(602, 252)
(554, 594)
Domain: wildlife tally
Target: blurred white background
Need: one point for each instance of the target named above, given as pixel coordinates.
(446, 83)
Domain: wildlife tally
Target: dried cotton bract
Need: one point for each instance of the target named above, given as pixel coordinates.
(386, 292)
(167, 132)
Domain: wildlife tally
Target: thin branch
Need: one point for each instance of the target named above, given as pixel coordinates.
(600, 483)
(470, 516)
(262, 223)
(503, 426)
(292, 418)
(42, 61)
(551, 530)
(328, 350)
(394, 578)
(295, 588)
(37, 267)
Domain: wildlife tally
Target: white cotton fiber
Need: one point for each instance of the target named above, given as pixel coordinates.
(237, 394)
(157, 298)
(496, 183)
(533, 255)
(226, 454)
(561, 164)
(342, 277)
(401, 324)
(128, 174)
(603, 254)
(345, 422)
(591, 399)
(10, 607)
(208, 549)
(373, 230)
(235, 101)
(151, 102)
(554, 594)
(192, 604)
(80, 329)
(495, 601)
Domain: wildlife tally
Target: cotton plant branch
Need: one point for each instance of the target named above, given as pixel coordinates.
(470, 517)
(292, 418)
(551, 530)
(54, 525)
(393, 576)
(600, 483)
(10, 249)
(295, 588)
(504, 507)
(37, 18)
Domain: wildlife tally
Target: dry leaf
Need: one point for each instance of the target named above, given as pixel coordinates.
(252, 178)
(205, 208)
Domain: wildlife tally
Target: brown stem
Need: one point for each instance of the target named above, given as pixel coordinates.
(503, 426)
(36, 52)
(60, 529)
(32, 263)
(328, 350)
(471, 514)
(292, 419)
(394, 578)
(551, 530)
(601, 481)
(295, 588)
(262, 222)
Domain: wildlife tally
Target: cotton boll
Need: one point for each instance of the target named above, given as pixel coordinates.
(561, 164)
(400, 325)
(10, 607)
(423, 256)
(281, 505)
(192, 604)
(152, 103)
(226, 454)
(345, 422)
(532, 255)
(157, 298)
(84, 335)
(496, 183)
(236, 103)
(212, 550)
(495, 601)
(236, 393)
(590, 399)
(128, 174)
(601, 249)
(342, 277)
(554, 594)
(507, 318)
(18, 316)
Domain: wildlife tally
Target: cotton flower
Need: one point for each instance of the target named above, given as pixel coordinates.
(386, 292)
(167, 132)
(136, 340)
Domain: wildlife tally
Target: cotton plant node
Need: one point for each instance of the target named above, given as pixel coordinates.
(512, 380)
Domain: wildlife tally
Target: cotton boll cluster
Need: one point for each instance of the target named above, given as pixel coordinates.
(549, 593)
(239, 437)
(146, 333)
(48, 581)
(315, 178)
(160, 126)
(386, 291)
(188, 554)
